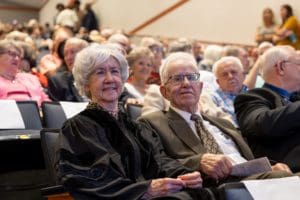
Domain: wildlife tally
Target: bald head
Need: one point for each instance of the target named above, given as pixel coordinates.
(281, 67)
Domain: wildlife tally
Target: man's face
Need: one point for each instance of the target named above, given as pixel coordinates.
(70, 51)
(244, 57)
(230, 77)
(183, 94)
(291, 69)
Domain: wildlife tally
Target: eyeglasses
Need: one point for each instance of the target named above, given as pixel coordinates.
(179, 78)
(287, 61)
(12, 54)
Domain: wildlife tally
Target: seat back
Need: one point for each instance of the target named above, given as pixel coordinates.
(234, 191)
(134, 111)
(29, 114)
(53, 114)
(49, 139)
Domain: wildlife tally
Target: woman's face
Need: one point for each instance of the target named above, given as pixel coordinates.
(142, 68)
(105, 83)
(268, 15)
(10, 60)
(283, 12)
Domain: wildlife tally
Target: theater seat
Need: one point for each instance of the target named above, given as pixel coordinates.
(49, 138)
(30, 114)
(134, 111)
(53, 115)
(22, 169)
(234, 191)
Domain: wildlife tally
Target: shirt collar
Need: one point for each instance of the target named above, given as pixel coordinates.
(282, 92)
(184, 114)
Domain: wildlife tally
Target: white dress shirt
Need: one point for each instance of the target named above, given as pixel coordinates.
(226, 144)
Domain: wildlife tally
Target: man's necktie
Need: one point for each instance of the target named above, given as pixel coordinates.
(205, 136)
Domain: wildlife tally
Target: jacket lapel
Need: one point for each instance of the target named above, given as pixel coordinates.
(182, 130)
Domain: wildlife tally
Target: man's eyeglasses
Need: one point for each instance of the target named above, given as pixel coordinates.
(291, 62)
(11, 54)
(179, 78)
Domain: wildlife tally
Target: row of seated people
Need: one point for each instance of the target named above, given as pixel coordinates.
(107, 169)
(190, 78)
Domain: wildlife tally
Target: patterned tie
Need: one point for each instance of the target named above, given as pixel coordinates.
(205, 136)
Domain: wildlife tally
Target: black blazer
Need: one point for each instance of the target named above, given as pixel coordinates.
(271, 127)
(181, 143)
(61, 87)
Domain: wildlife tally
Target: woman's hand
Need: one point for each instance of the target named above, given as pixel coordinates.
(191, 180)
(163, 186)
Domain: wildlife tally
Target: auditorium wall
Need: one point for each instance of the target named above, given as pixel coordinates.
(233, 21)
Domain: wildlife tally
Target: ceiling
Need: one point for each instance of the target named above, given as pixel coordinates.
(37, 4)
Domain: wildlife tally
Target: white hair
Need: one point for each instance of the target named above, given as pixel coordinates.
(225, 60)
(165, 67)
(264, 46)
(89, 58)
(213, 53)
(272, 56)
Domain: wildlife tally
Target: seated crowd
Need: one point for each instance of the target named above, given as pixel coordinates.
(199, 103)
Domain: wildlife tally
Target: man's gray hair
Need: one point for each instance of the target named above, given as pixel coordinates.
(272, 56)
(165, 67)
(92, 56)
(227, 59)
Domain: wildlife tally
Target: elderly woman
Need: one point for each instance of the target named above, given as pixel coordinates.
(14, 84)
(140, 61)
(102, 154)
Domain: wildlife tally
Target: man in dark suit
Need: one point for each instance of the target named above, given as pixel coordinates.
(268, 116)
(61, 85)
(212, 148)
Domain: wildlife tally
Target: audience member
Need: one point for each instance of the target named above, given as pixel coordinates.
(61, 85)
(122, 40)
(140, 61)
(197, 51)
(268, 116)
(68, 18)
(266, 31)
(49, 63)
(157, 50)
(59, 7)
(289, 31)
(102, 154)
(14, 84)
(230, 77)
(211, 54)
(181, 44)
(89, 20)
(208, 144)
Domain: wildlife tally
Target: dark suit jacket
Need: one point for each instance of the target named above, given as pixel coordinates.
(181, 143)
(271, 127)
(61, 87)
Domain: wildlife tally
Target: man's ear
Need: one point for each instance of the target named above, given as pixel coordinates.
(164, 92)
(217, 80)
(279, 68)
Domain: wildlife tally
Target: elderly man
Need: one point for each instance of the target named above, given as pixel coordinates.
(267, 116)
(229, 76)
(61, 85)
(201, 142)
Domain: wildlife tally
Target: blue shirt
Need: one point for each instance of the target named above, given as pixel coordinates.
(282, 92)
(225, 100)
